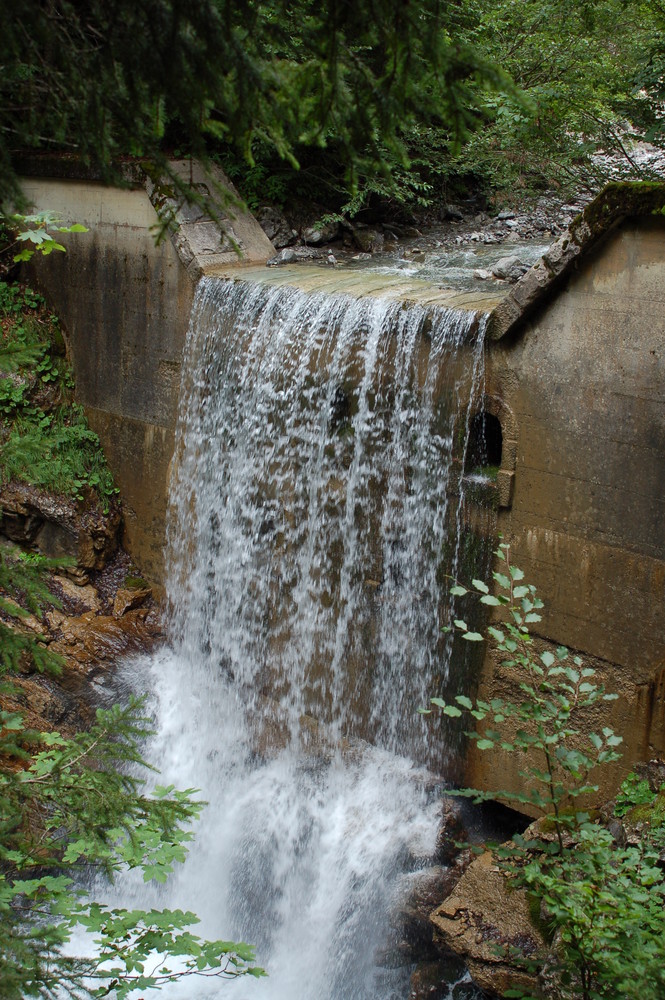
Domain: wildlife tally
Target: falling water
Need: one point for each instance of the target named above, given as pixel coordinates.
(314, 514)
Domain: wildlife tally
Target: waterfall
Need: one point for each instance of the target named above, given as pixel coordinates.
(315, 512)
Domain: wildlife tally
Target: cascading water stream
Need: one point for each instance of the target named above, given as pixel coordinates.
(317, 482)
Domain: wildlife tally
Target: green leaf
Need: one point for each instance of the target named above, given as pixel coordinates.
(473, 636)
(464, 701)
(490, 600)
(484, 744)
(481, 586)
(458, 590)
(460, 624)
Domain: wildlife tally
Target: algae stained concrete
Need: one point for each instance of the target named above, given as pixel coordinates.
(125, 304)
(584, 380)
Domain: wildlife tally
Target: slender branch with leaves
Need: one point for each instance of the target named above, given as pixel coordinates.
(600, 901)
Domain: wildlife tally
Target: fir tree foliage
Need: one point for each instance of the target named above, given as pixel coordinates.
(104, 80)
(73, 807)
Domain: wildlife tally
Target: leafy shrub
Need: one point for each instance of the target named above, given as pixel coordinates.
(44, 436)
(604, 904)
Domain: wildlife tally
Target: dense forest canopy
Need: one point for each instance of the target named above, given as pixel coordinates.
(296, 97)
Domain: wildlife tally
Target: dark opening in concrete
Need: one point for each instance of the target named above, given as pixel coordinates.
(485, 443)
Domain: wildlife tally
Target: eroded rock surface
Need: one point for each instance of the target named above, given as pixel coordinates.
(95, 626)
(483, 917)
(59, 526)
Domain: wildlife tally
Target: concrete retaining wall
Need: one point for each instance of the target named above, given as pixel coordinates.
(125, 303)
(584, 381)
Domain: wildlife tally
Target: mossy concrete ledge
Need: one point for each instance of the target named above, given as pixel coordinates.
(125, 302)
(615, 204)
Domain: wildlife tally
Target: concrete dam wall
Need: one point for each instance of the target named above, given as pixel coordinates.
(575, 379)
(125, 304)
(583, 380)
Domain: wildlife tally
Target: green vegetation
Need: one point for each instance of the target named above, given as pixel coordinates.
(223, 75)
(72, 807)
(75, 805)
(347, 105)
(44, 436)
(587, 79)
(601, 902)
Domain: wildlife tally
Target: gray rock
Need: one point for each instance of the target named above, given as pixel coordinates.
(509, 269)
(453, 213)
(320, 234)
(368, 240)
(307, 253)
(287, 256)
(481, 274)
(276, 227)
(506, 215)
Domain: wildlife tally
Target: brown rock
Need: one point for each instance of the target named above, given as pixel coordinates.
(105, 638)
(421, 892)
(84, 594)
(483, 915)
(127, 599)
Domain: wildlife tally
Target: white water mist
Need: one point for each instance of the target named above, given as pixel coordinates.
(316, 483)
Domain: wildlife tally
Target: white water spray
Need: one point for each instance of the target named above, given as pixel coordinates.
(317, 480)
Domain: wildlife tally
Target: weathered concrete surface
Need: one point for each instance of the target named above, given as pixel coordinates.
(584, 378)
(616, 203)
(125, 303)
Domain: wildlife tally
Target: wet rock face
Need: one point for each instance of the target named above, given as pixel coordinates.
(93, 628)
(433, 980)
(59, 526)
(482, 918)
(421, 893)
(452, 831)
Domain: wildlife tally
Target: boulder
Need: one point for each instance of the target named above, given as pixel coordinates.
(484, 916)
(453, 213)
(129, 598)
(320, 234)
(419, 894)
(287, 256)
(276, 227)
(368, 240)
(509, 269)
